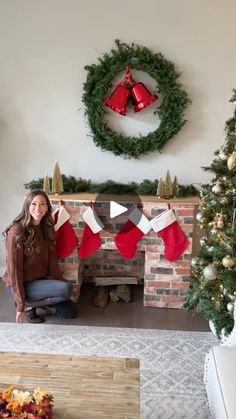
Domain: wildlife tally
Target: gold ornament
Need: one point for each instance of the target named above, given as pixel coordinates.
(229, 261)
(231, 162)
(220, 221)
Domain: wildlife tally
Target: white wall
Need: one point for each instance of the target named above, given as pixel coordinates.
(44, 46)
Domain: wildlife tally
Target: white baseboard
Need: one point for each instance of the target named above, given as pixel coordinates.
(2, 271)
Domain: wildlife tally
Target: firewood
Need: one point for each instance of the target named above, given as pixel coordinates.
(123, 292)
(101, 298)
(113, 297)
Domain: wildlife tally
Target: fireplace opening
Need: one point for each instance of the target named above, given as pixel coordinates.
(112, 277)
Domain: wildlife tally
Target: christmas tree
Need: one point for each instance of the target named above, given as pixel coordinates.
(213, 289)
(57, 183)
(46, 184)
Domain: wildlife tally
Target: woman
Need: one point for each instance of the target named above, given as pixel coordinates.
(32, 273)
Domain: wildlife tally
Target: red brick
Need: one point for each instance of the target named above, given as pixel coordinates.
(183, 271)
(179, 285)
(158, 284)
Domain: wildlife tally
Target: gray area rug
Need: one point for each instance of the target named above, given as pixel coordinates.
(171, 362)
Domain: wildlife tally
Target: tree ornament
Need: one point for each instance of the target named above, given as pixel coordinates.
(224, 200)
(194, 262)
(230, 306)
(217, 188)
(199, 217)
(220, 221)
(229, 261)
(46, 184)
(222, 154)
(203, 241)
(211, 249)
(201, 262)
(57, 184)
(170, 113)
(214, 229)
(210, 272)
(231, 162)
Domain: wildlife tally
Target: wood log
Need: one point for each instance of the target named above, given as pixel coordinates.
(101, 298)
(113, 297)
(123, 292)
(120, 292)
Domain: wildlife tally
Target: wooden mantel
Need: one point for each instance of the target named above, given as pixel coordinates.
(192, 200)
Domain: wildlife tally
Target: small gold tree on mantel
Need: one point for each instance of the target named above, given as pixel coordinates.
(57, 184)
(46, 184)
(167, 189)
(160, 188)
(175, 186)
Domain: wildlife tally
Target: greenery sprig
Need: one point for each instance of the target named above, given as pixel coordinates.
(100, 78)
(72, 184)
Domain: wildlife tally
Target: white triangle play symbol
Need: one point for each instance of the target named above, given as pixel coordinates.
(116, 209)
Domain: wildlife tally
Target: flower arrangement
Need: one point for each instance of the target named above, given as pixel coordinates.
(17, 404)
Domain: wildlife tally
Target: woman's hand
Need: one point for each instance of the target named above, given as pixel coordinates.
(20, 317)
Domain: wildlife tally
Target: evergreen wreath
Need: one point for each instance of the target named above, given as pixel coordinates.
(100, 79)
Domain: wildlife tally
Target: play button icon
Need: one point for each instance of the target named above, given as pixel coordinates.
(116, 209)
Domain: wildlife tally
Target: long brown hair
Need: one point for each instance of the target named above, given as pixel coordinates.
(25, 234)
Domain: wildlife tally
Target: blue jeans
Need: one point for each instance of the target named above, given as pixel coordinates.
(58, 291)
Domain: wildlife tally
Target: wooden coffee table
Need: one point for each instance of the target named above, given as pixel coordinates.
(82, 387)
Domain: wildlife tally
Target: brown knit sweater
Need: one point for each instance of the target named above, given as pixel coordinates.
(22, 267)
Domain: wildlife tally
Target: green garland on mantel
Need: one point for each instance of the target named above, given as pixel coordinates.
(100, 79)
(72, 184)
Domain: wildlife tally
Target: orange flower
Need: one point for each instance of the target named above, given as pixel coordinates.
(6, 394)
(14, 407)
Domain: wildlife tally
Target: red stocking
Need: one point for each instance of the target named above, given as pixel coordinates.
(91, 240)
(128, 237)
(66, 239)
(167, 226)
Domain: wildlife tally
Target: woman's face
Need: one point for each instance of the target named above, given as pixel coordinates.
(38, 208)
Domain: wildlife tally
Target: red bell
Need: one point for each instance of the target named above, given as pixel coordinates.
(118, 99)
(142, 97)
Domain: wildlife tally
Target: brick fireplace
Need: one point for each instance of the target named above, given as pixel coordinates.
(165, 283)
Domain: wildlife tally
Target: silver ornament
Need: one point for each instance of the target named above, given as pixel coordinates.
(194, 262)
(199, 216)
(203, 241)
(224, 200)
(210, 272)
(211, 249)
(230, 306)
